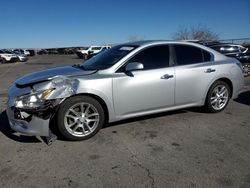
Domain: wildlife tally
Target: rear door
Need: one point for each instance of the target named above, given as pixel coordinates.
(194, 72)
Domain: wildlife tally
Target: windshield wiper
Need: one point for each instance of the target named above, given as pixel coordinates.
(83, 68)
(78, 66)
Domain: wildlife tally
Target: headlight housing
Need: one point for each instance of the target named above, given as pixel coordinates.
(33, 100)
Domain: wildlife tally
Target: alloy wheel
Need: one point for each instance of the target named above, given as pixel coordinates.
(219, 97)
(81, 119)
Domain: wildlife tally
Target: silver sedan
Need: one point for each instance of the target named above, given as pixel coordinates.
(128, 80)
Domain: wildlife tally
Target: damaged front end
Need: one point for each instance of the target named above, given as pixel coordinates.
(32, 106)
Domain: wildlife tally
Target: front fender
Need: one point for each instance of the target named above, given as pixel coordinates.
(107, 100)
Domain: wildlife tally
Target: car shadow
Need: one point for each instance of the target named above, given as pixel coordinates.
(8, 132)
(244, 98)
(145, 117)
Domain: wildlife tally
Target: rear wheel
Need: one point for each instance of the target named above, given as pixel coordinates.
(80, 118)
(218, 97)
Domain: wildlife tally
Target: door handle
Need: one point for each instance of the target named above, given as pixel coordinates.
(209, 70)
(167, 76)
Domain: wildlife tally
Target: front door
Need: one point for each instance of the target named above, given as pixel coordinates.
(146, 90)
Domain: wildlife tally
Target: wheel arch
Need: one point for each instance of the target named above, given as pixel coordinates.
(107, 112)
(228, 82)
(100, 100)
(224, 79)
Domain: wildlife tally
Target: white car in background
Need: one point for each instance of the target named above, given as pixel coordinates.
(21, 57)
(22, 51)
(84, 52)
(6, 57)
(97, 49)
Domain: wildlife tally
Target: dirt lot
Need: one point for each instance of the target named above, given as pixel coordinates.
(185, 148)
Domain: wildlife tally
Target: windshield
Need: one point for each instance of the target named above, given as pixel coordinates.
(107, 58)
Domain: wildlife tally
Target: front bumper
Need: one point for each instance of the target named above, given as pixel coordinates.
(13, 59)
(36, 121)
(33, 126)
(23, 59)
(33, 123)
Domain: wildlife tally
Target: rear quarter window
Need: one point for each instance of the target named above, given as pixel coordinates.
(206, 56)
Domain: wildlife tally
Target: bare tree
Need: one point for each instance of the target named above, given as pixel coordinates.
(199, 32)
(182, 34)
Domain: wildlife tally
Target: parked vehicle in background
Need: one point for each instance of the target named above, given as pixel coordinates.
(32, 52)
(69, 51)
(42, 52)
(103, 48)
(6, 57)
(22, 51)
(97, 49)
(64, 51)
(128, 80)
(52, 51)
(21, 57)
(85, 51)
(237, 51)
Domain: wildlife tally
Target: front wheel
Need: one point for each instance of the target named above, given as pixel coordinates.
(80, 118)
(84, 56)
(3, 60)
(218, 97)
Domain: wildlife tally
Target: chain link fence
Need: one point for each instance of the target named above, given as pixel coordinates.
(242, 41)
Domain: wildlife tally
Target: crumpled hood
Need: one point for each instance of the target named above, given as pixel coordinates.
(45, 75)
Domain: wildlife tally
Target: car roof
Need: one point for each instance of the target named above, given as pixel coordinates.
(143, 42)
(155, 42)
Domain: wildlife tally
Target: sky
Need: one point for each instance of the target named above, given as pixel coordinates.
(61, 23)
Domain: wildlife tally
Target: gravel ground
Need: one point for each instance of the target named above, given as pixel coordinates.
(185, 148)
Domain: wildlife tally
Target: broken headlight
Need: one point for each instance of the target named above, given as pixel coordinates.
(33, 100)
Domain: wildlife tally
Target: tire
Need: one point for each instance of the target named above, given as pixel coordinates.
(4, 60)
(84, 56)
(216, 103)
(77, 118)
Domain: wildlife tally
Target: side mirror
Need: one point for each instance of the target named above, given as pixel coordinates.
(133, 66)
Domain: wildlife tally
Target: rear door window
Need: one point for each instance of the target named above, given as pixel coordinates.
(186, 55)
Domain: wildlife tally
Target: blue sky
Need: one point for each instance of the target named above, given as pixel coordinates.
(55, 23)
